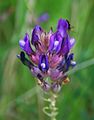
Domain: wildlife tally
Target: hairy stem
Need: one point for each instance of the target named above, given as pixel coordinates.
(51, 107)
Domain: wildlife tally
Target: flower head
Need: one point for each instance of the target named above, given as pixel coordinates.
(51, 58)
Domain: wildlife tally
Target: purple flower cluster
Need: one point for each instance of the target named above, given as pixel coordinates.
(49, 56)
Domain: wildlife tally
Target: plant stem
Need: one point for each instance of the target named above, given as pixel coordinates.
(52, 107)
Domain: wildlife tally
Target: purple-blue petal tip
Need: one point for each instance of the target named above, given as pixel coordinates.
(22, 44)
(62, 24)
(43, 63)
(25, 44)
(36, 31)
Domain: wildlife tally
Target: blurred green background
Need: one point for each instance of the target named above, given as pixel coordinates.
(19, 99)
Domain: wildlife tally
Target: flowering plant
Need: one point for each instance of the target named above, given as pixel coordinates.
(49, 57)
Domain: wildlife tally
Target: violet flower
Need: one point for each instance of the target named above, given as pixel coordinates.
(52, 56)
(43, 18)
(25, 44)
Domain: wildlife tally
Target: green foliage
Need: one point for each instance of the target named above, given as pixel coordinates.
(19, 99)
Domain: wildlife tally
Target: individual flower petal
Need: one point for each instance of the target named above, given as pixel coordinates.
(65, 63)
(62, 24)
(35, 35)
(65, 47)
(70, 56)
(62, 27)
(55, 43)
(73, 63)
(43, 63)
(71, 42)
(25, 44)
(68, 60)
